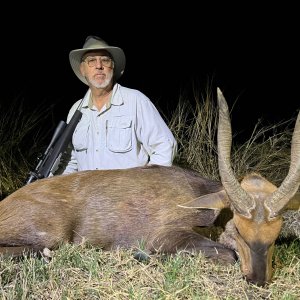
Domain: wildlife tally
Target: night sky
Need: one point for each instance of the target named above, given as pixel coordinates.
(250, 53)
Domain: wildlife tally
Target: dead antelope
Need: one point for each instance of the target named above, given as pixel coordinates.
(164, 207)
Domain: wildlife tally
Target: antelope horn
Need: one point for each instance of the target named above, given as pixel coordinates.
(280, 198)
(239, 198)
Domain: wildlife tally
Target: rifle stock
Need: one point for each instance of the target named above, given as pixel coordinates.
(58, 144)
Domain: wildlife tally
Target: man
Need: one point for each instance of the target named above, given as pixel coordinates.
(120, 127)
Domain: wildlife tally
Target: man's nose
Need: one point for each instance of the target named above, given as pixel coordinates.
(99, 64)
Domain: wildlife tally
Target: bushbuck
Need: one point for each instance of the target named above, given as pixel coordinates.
(167, 209)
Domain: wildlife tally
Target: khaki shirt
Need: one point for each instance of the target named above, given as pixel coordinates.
(127, 132)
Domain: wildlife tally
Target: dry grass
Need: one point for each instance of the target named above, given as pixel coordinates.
(79, 272)
(22, 139)
(194, 126)
(266, 151)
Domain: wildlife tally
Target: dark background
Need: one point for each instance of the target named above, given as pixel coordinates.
(250, 52)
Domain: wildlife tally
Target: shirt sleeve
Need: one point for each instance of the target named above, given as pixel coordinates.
(154, 134)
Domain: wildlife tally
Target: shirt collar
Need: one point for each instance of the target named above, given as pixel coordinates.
(116, 97)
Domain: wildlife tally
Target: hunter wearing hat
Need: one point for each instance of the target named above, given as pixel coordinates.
(120, 127)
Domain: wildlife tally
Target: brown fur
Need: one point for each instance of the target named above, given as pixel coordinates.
(110, 209)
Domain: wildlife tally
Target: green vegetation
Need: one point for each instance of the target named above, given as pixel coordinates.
(83, 272)
(79, 272)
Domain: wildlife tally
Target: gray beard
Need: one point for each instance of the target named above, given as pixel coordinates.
(102, 85)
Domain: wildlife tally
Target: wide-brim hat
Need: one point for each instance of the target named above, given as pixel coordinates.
(96, 43)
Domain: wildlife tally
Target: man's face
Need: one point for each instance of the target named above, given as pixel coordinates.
(98, 68)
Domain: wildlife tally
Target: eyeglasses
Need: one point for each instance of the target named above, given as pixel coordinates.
(105, 61)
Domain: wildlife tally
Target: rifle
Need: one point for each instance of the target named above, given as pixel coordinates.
(58, 144)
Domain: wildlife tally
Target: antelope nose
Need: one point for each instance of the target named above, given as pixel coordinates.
(257, 281)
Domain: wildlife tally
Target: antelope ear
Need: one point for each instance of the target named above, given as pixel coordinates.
(294, 203)
(216, 200)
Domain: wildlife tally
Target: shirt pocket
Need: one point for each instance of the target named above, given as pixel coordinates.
(119, 134)
(80, 135)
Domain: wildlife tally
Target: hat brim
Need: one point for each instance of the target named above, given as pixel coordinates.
(116, 53)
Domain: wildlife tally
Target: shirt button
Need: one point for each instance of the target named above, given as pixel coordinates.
(96, 150)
